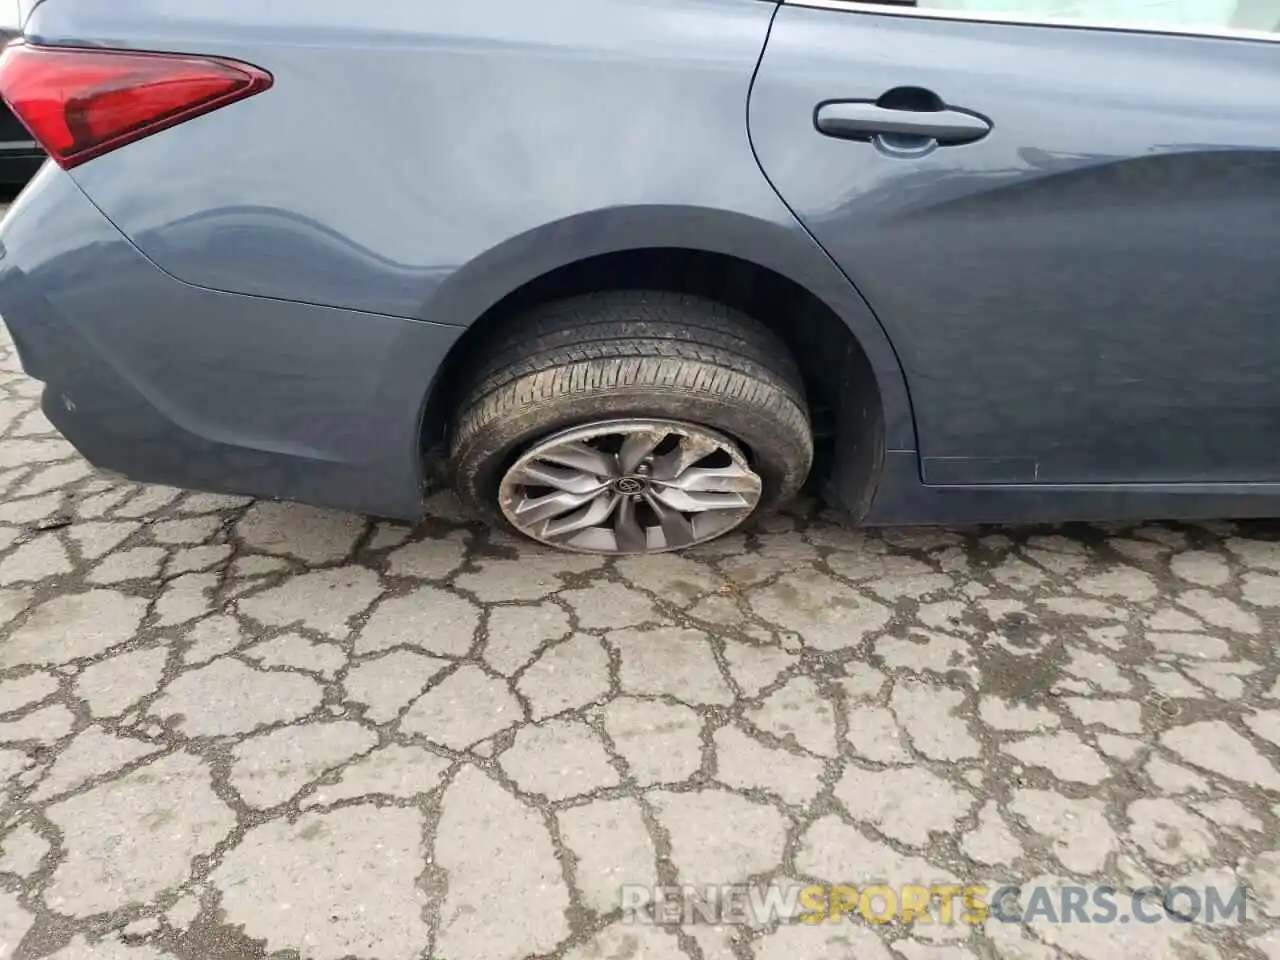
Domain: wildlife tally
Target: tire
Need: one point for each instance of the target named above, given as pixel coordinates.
(632, 354)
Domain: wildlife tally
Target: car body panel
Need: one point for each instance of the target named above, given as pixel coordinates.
(167, 382)
(901, 498)
(24, 9)
(1087, 294)
(422, 138)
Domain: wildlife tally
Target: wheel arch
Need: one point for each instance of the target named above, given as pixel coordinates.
(671, 247)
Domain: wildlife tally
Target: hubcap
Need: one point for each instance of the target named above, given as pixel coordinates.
(630, 486)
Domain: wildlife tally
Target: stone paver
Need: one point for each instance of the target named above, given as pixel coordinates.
(240, 729)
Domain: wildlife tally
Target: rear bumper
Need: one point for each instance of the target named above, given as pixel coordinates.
(169, 383)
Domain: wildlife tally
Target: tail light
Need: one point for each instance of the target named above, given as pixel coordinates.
(81, 103)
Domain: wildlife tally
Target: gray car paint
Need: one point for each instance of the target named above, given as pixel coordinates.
(260, 299)
(429, 142)
(177, 384)
(1086, 294)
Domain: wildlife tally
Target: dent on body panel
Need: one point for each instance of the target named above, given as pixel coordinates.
(413, 138)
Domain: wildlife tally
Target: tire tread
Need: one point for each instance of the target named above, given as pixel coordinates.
(638, 323)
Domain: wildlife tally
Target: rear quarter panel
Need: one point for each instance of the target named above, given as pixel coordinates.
(404, 140)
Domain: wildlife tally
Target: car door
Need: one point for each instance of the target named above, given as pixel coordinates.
(1067, 223)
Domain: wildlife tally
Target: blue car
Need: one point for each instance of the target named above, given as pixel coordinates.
(629, 272)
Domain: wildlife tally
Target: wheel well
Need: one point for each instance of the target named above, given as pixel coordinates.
(821, 343)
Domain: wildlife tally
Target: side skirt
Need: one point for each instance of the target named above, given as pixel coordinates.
(901, 498)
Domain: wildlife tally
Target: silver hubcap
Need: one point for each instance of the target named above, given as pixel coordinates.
(630, 486)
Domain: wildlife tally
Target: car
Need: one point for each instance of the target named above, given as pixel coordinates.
(629, 273)
(20, 155)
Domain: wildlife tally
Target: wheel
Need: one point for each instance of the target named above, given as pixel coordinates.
(631, 422)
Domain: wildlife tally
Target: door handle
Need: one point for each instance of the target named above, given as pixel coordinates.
(866, 119)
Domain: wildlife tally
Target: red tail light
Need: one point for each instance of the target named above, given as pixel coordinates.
(80, 103)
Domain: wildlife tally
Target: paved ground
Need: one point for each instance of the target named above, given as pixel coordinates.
(233, 729)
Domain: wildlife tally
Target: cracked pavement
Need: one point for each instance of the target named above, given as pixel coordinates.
(234, 729)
